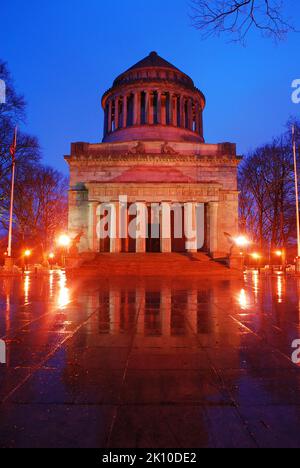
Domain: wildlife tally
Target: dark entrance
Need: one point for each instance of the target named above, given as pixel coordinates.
(177, 221)
(153, 239)
(104, 234)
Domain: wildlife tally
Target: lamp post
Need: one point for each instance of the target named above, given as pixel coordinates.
(236, 259)
(257, 257)
(64, 242)
(282, 255)
(27, 255)
(9, 262)
(297, 200)
(51, 258)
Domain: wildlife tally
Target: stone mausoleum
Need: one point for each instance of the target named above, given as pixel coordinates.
(153, 151)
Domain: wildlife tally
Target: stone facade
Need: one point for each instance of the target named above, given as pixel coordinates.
(153, 151)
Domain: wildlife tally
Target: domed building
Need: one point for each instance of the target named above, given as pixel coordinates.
(153, 160)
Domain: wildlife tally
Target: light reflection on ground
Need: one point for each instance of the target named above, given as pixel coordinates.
(127, 363)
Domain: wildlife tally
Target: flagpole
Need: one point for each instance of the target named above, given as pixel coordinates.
(13, 150)
(297, 192)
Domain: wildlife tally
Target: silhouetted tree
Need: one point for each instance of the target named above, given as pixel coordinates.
(267, 200)
(237, 17)
(40, 204)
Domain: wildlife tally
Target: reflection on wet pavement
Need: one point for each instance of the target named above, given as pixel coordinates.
(149, 363)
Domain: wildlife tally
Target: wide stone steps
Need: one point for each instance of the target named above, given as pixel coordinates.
(150, 264)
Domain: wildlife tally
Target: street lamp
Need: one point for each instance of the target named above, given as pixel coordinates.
(256, 256)
(64, 241)
(282, 255)
(241, 241)
(27, 255)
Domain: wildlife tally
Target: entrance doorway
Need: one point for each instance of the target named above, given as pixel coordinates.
(153, 230)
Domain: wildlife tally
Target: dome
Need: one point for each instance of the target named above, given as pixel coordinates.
(153, 100)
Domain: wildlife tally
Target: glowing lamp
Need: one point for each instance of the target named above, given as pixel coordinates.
(256, 256)
(241, 241)
(279, 253)
(64, 240)
(27, 253)
(51, 256)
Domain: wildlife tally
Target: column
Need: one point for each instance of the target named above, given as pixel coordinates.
(105, 120)
(147, 107)
(141, 226)
(190, 114)
(190, 226)
(124, 111)
(92, 226)
(213, 228)
(182, 112)
(165, 227)
(123, 224)
(174, 106)
(151, 109)
(197, 111)
(116, 113)
(164, 109)
(201, 122)
(115, 244)
(109, 126)
(159, 107)
(137, 109)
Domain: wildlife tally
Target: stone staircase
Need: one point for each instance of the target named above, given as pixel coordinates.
(150, 264)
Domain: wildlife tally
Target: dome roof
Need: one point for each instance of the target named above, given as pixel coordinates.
(153, 62)
(153, 100)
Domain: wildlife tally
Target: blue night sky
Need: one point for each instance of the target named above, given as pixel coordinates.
(63, 54)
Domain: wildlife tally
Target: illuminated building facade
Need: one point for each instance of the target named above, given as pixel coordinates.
(153, 152)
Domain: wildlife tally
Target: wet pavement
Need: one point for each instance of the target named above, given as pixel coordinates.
(149, 363)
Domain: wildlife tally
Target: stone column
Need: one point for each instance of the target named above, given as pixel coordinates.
(147, 107)
(159, 107)
(182, 119)
(105, 121)
(109, 126)
(197, 111)
(141, 226)
(165, 227)
(115, 244)
(164, 109)
(213, 228)
(116, 113)
(124, 111)
(151, 109)
(174, 105)
(190, 226)
(171, 109)
(92, 226)
(201, 122)
(123, 223)
(137, 109)
(190, 114)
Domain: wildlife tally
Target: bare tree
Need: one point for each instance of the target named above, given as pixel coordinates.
(40, 207)
(267, 201)
(237, 17)
(12, 113)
